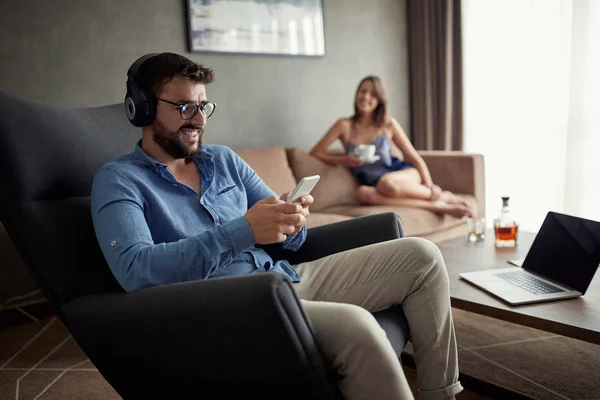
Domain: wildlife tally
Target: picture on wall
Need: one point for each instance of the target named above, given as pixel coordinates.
(281, 27)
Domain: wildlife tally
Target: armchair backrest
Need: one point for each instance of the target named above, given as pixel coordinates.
(48, 159)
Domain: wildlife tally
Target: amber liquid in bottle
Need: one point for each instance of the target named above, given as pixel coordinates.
(506, 236)
(506, 228)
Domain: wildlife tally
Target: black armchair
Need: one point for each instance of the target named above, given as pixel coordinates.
(219, 337)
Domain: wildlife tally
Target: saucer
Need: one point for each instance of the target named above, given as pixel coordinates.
(371, 160)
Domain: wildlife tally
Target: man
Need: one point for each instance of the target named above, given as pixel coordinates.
(176, 210)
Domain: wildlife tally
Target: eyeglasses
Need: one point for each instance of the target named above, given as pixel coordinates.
(189, 110)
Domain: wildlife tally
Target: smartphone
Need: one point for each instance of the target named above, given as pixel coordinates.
(304, 187)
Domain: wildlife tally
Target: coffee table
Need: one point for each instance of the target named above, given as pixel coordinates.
(576, 318)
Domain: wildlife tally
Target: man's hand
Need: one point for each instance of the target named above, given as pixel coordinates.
(305, 201)
(272, 219)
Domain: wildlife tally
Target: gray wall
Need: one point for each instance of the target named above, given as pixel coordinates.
(76, 53)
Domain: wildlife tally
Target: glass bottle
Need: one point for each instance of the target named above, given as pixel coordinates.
(505, 227)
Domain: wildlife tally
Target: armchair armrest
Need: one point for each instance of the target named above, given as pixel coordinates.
(458, 172)
(333, 238)
(211, 336)
(340, 236)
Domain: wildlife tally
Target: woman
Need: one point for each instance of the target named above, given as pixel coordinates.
(385, 179)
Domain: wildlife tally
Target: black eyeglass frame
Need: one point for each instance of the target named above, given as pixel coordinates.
(198, 107)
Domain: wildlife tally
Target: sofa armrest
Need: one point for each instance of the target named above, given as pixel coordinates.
(212, 335)
(458, 172)
(340, 236)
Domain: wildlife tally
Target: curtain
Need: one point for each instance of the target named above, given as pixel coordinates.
(532, 104)
(582, 190)
(435, 65)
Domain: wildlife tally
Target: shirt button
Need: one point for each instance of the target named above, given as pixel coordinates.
(175, 184)
(113, 243)
(202, 201)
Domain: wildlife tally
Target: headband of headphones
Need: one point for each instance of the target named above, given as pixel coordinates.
(140, 106)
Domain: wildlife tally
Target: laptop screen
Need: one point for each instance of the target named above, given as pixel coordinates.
(566, 250)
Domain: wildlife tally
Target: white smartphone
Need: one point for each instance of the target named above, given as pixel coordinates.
(304, 187)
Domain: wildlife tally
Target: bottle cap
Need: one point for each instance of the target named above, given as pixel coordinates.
(505, 198)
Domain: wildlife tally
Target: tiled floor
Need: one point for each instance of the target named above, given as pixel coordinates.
(538, 364)
(40, 360)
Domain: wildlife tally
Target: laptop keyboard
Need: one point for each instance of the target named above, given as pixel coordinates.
(528, 282)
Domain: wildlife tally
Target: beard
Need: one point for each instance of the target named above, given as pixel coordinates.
(171, 142)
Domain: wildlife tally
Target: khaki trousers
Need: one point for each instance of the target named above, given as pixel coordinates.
(340, 291)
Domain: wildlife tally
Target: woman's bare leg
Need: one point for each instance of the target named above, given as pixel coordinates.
(452, 198)
(369, 195)
(406, 184)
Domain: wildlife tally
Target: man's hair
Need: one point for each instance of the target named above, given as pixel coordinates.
(158, 70)
(380, 116)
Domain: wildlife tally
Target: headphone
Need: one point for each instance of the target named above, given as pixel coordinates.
(140, 106)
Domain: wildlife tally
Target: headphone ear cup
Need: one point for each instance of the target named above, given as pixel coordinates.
(140, 108)
(148, 108)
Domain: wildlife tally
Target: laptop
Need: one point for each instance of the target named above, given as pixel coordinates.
(561, 264)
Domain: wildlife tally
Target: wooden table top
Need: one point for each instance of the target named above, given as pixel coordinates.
(577, 318)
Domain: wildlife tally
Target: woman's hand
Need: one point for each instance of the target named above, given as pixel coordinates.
(426, 180)
(351, 160)
(436, 192)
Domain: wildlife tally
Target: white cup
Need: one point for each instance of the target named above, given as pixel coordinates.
(365, 151)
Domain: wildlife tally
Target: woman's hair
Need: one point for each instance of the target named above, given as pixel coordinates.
(380, 115)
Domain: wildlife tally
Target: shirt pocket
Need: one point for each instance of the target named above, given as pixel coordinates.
(229, 200)
(226, 189)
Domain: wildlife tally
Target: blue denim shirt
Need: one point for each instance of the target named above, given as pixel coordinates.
(154, 230)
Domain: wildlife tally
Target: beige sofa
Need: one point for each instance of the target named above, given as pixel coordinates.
(281, 168)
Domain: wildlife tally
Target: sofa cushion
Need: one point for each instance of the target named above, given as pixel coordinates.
(272, 166)
(416, 222)
(336, 187)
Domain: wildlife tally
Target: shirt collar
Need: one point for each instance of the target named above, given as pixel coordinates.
(142, 156)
